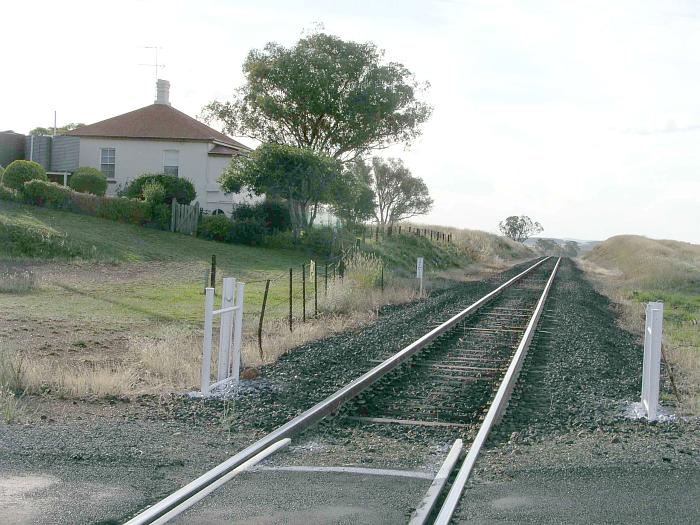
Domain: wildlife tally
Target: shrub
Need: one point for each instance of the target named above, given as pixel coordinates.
(43, 193)
(274, 214)
(21, 171)
(88, 180)
(2, 170)
(182, 189)
(121, 209)
(153, 192)
(214, 227)
(247, 231)
(8, 194)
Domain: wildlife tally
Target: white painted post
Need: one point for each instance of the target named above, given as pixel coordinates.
(237, 332)
(652, 358)
(206, 346)
(419, 275)
(227, 296)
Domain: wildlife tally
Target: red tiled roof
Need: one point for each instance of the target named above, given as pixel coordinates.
(157, 121)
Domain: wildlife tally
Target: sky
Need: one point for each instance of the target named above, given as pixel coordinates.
(583, 115)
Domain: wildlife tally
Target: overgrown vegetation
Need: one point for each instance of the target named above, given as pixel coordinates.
(634, 270)
(179, 188)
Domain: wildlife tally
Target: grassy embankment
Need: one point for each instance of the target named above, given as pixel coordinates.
(634, 270)
(91, 306)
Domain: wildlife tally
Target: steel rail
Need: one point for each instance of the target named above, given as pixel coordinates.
(422, 513)
(318, 411)
(498, 406)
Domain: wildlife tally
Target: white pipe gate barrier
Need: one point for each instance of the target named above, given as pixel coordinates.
(652, 358)
(231, 312)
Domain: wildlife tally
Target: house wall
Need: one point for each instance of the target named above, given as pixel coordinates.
(11, 147)
(134, 157)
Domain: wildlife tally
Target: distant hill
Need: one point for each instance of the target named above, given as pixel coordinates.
(650, 263)
(584, 245)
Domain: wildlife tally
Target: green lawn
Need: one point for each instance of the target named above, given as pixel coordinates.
(95, 267)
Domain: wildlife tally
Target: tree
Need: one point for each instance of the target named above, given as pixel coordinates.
(570, 249)
(353, 198)
(59, 131)
(304, 178)
(520, 228)
(324, 94)
(548, 247)
(399, 194)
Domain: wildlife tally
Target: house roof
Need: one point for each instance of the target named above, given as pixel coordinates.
(157, 121)
(220, 149)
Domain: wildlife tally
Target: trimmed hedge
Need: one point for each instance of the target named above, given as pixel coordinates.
(120, 209)
(182, 189)
(88, 180)
(20, 171)
(8, 194)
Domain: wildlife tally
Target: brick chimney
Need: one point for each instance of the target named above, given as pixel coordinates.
(162, 92)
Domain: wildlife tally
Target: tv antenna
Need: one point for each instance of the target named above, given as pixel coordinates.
(156, 65)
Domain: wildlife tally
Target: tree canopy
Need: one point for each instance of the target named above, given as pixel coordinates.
(520, 228)
(325, 94)
(59, 131)
(399, 195)
(354, 200)
(304, 178)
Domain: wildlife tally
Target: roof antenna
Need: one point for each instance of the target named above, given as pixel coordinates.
(156, 65)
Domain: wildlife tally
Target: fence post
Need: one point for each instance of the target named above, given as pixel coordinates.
(206, 343)
(376, 234)
(213, 272)
(237, 333)
(225, 328)
(315, 290)
(325, 280)
(290, 299)
(652, 358)
(303, 293)
(173, 209)
(262, 316)
(206, 280)
(382, 277)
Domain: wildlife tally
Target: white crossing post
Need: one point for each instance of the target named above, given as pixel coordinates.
(652, 358)
(227, 296)
(206, 346)
(237, 331)
(419, 275)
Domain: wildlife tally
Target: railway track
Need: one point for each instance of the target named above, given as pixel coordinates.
(447, 378)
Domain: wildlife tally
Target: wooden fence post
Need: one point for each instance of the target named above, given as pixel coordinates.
(290, 299)
(173, 210)
(213, 272)
(303, 293)
(262, 316)
(316, 290)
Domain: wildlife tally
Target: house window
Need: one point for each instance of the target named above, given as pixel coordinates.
(171, 162)
(107, 156)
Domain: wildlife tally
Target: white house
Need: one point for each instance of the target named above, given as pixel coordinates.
(154, 139)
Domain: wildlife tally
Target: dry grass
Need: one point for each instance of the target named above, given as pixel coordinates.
(632, 270)
(16, 280)
(485, 247)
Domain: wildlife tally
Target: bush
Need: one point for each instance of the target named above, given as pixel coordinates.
(154, 193)
(247, 231)
(214, 227)
(21, 171)
(121, 209)
(273, 214)
(8, 194)
(43, 193)
(182, 189)
(88, 180)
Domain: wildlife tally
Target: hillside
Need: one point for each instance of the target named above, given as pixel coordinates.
(649, 263)
(633, 270)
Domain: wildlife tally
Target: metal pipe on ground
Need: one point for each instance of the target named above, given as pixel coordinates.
(318, 411)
